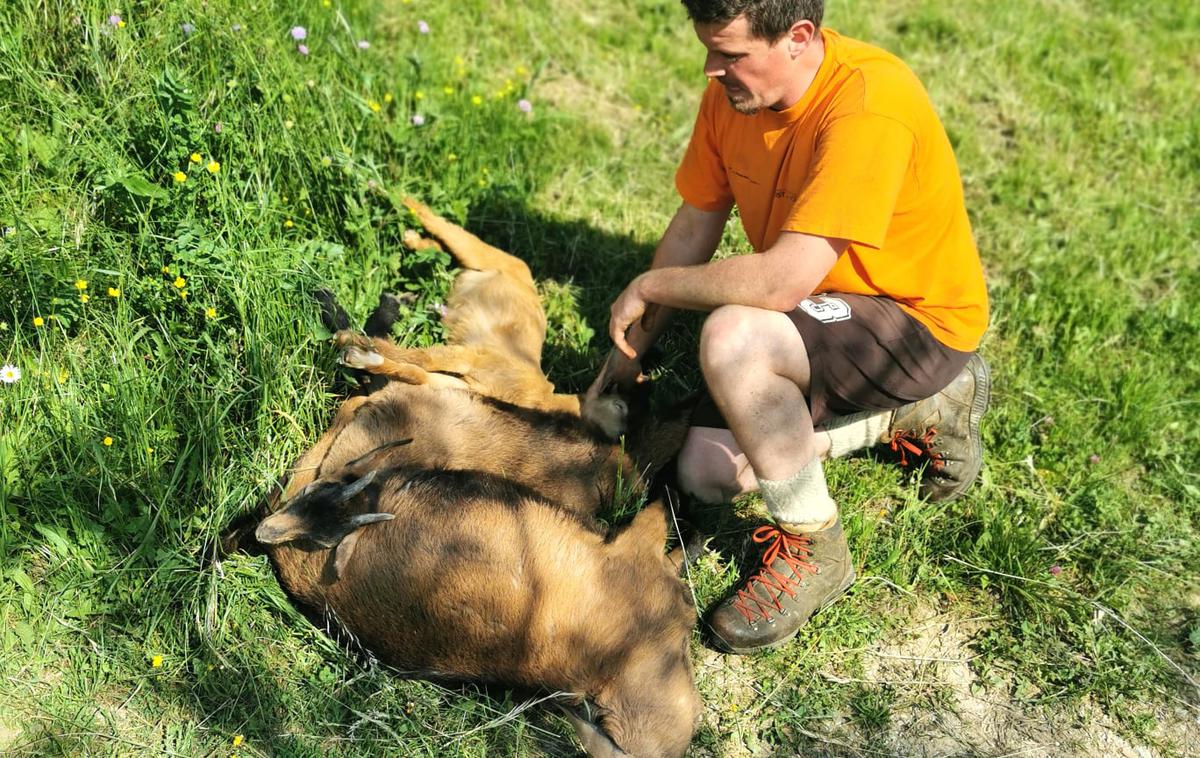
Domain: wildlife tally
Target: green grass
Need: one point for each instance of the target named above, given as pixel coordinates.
(1078, 139)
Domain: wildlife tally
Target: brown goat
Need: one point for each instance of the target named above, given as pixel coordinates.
(447, 521)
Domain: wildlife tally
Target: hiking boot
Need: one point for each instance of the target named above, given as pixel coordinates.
(800, 575)
(942, 431)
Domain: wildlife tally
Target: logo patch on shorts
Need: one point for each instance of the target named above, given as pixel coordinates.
(827, 310)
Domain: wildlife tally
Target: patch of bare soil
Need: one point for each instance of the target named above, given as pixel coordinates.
(942, 709)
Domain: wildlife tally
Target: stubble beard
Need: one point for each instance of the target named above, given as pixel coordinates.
(743, 107)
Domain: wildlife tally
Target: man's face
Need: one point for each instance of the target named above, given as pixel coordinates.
(753, 71)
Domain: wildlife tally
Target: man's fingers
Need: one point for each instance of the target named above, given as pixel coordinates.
(618, 339)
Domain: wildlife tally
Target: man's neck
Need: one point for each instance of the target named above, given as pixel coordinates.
(807, 66)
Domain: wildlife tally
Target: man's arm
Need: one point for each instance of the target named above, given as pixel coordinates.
(777, 280)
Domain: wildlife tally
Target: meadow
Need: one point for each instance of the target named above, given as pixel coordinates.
(179, 177)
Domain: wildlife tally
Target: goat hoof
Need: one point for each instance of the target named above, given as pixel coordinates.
(357, 357)
(607, 412)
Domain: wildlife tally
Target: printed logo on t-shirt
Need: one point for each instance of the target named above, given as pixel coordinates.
(827, 310)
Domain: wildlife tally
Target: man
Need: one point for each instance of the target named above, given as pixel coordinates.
(847, 186)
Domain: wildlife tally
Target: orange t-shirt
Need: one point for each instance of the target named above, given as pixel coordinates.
(863, 157)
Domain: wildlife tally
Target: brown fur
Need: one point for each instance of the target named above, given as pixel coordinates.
(447, 521)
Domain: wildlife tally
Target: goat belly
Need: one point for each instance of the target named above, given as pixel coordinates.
(471, 581)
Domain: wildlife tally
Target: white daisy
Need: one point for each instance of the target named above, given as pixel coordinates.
(9, 374)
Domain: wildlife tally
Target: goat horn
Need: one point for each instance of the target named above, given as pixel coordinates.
(357, 486)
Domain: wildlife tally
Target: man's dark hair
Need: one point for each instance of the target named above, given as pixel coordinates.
(769, 19)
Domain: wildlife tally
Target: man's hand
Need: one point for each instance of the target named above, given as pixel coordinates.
(626, 310)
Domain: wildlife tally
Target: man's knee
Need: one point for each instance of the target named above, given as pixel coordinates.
(739, 339)
(729, 334)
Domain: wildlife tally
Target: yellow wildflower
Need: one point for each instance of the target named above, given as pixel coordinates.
(166, 269)
(387, 97)
(210, 312)
(213, 167)
(183, 294)
(180, 282)
(81, 284)
(83, 297)
(63, 376)
(288, 124)
(288, 224)
(38, 321)
(285, 199)
(121, 24)
(179, 177)
(448, 90)
(374, 106)
(476, 100)
(451, 157)
(418, 95)
(149, 451)
(195, 158)
(326, 161)
(522, 71)
(108, 441)
(156, 662)
(114, 292)
(237, 740)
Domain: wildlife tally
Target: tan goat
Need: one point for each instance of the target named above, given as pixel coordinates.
(447, 521)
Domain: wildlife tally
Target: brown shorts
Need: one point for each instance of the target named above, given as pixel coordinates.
(865, 354)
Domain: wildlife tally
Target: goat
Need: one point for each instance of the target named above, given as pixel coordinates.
(448, 521)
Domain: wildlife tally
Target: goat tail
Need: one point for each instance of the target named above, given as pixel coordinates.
(470, 251)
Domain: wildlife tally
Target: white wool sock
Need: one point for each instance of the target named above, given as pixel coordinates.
(800, 503)
(849, 434)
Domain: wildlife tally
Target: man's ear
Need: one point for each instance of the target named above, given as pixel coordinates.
(800, 36)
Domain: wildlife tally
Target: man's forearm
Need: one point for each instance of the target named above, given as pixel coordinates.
(775, 280)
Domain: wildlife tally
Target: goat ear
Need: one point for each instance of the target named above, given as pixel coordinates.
(647, 532)
(314, 515)
(343, 554)
(596, 743)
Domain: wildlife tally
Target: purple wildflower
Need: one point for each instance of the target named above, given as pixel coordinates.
(423, 27)
(187, 29)
(363, 44)
(218, 127)
(525, 105)
(114, 20)
(299, 33)
(302, 49)
(1055, 570)
(1093, 459)
(418, 119)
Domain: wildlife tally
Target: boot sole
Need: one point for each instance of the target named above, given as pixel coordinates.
(841, 590)
(979, 406)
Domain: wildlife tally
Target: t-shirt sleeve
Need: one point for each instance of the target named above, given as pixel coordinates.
(858, 170)
(701, 178)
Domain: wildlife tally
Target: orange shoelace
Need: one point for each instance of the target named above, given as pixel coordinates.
(905, 442)
(793, 548)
